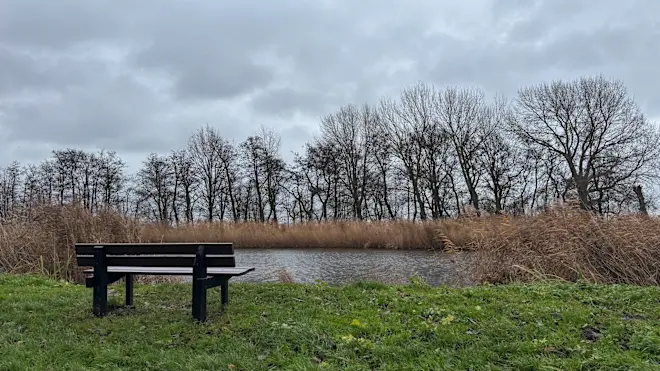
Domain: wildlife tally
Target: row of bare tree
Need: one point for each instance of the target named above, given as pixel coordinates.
(430, 153)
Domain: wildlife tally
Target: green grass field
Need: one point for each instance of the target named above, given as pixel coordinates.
(47, 325)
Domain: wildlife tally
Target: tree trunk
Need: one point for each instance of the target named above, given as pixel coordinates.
(640, 199)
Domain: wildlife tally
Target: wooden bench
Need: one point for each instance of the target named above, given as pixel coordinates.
(209, 264)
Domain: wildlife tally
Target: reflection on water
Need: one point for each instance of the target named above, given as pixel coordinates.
(340, 266)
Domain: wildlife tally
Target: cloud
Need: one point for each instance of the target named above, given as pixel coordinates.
(56, 25)
(140, 77)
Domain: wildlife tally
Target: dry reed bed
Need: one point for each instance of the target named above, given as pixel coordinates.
(347, 234)
(563, 243)
(569, 244)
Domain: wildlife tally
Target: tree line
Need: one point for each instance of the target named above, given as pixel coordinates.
(429, 153)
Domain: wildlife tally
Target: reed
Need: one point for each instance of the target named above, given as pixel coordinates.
(569, 244)
(562, 243)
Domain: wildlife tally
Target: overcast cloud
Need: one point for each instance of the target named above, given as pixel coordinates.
(137, 77)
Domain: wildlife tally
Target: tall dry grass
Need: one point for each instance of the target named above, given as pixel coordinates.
(43, 243)
(346, 234)
(568, 244)
(563, 243)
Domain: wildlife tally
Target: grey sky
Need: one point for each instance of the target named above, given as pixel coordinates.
(141, 76)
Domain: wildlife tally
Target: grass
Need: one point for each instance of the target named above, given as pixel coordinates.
(561, 243)
(47, 324)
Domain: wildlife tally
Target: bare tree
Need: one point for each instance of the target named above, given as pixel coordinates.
(67, 164)
(463, 114)
(112, 178)
(253, 151)
(384, 183)
(299, 186)
(501, 159)
(599, 132)
(261, 153)
(273, 168)
(351, 130)
(185, 184)
(407, 122)
(206, 147)
(323, 171)
(427, 153)
(155, 187)
(10, 178)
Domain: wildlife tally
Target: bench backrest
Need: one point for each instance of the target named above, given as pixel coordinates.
(157, 254)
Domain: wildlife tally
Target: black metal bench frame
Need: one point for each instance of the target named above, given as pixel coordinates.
(212, 265)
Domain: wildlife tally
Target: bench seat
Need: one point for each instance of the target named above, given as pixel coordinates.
(211, 264)
(181, 271)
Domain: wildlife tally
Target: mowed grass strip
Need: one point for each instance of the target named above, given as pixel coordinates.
(47, 324)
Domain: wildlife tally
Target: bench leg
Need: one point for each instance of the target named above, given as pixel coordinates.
(224, 292)
(129, 290)
(199, 301)
(195, 299)
(100, 294)
(199, 286)
(100, 305)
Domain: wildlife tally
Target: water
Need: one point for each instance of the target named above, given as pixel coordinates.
(341, 266)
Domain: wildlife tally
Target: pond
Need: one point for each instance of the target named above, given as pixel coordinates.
(341, 266)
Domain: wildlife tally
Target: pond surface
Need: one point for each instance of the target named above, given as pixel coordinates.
(341, 266)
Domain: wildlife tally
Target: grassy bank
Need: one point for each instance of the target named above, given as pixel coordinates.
(47, 325)
(564, 243)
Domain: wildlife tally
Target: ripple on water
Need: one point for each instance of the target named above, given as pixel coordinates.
(340, 266)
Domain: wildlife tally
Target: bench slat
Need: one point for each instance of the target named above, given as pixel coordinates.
(157, 248)
(181, 271)
(157, 261)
